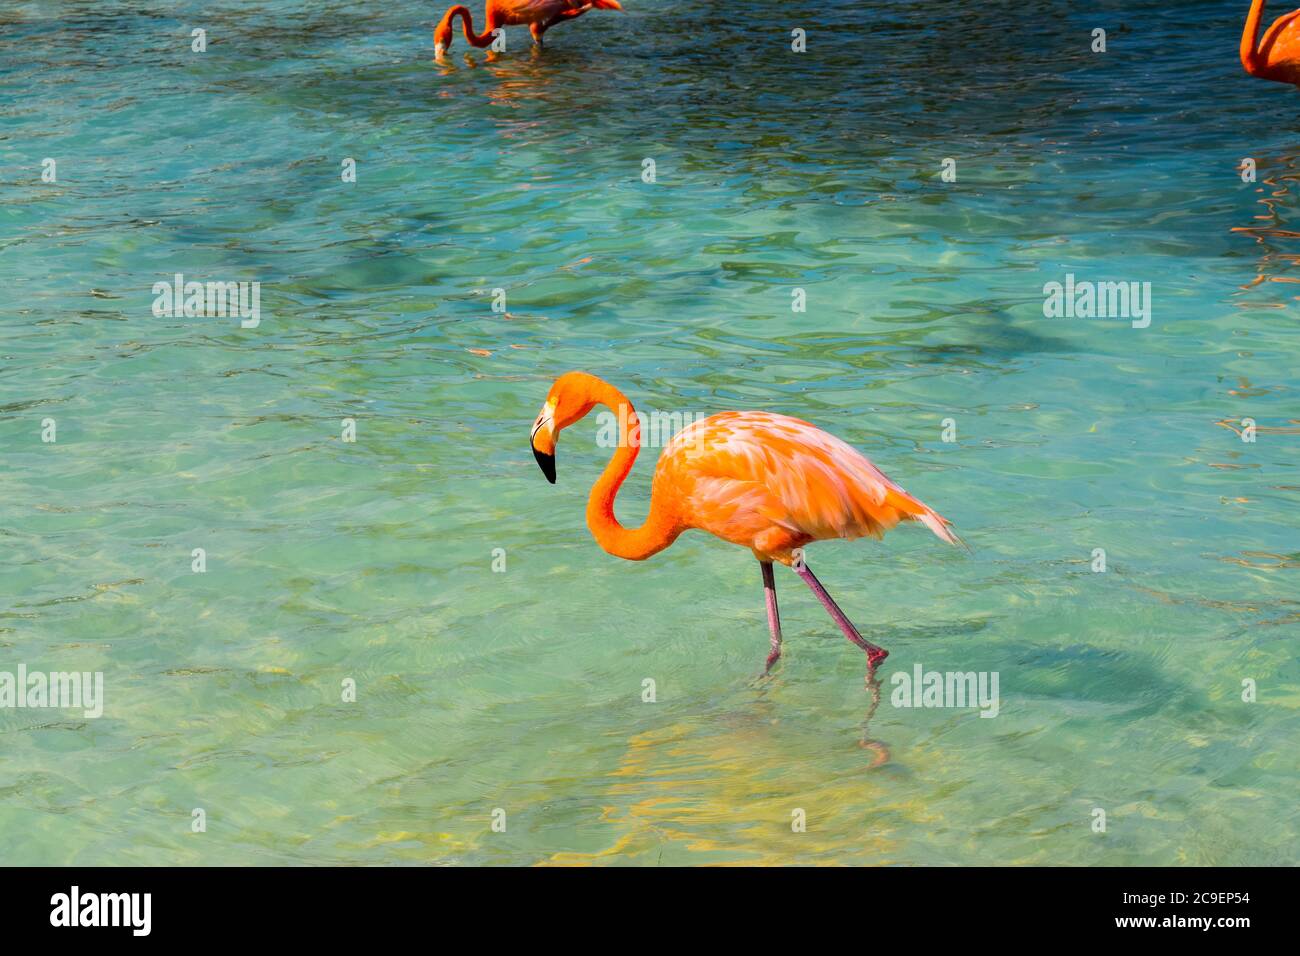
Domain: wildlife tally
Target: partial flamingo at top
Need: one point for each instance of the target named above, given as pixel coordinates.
(1277, 55)
(538, 15)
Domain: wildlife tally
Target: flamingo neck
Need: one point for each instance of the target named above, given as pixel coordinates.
(1250, 58)
(660, 528)
(467, 26)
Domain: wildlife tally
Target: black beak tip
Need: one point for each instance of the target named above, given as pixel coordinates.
(547, 464)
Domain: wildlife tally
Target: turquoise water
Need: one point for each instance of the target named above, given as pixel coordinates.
(521, 689)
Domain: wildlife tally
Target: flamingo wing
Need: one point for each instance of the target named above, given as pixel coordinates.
(743, 473)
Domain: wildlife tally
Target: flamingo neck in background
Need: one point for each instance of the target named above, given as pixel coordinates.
(467, 26)
(1250, 58)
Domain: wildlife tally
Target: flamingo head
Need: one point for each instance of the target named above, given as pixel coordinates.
(543, 440)
(570, 398)
(442, 35)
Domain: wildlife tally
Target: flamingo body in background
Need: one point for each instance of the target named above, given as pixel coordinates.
(1277, 56)
(538, 15)
(763, 481)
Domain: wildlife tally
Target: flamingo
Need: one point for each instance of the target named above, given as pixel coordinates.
(540, 15)
(1277, 57)
(766, 482)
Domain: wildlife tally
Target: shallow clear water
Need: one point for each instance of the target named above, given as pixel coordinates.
(522, 690)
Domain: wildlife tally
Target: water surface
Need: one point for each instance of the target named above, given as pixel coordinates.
(522, 690)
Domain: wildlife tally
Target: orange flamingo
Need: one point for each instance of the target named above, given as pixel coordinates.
(540, 15)
(1277, 57)
(766, 482)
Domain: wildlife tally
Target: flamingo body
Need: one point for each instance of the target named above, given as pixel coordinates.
(772, 483)
(763, 481)
(1277, 55)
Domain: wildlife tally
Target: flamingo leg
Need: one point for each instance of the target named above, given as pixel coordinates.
(874, 654)
(773, 615)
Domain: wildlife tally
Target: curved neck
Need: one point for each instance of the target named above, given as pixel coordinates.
(1249, 56)
(467, 26)
(660, 528)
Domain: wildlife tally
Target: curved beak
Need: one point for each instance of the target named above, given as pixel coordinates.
(547, 464)
(542, 441)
